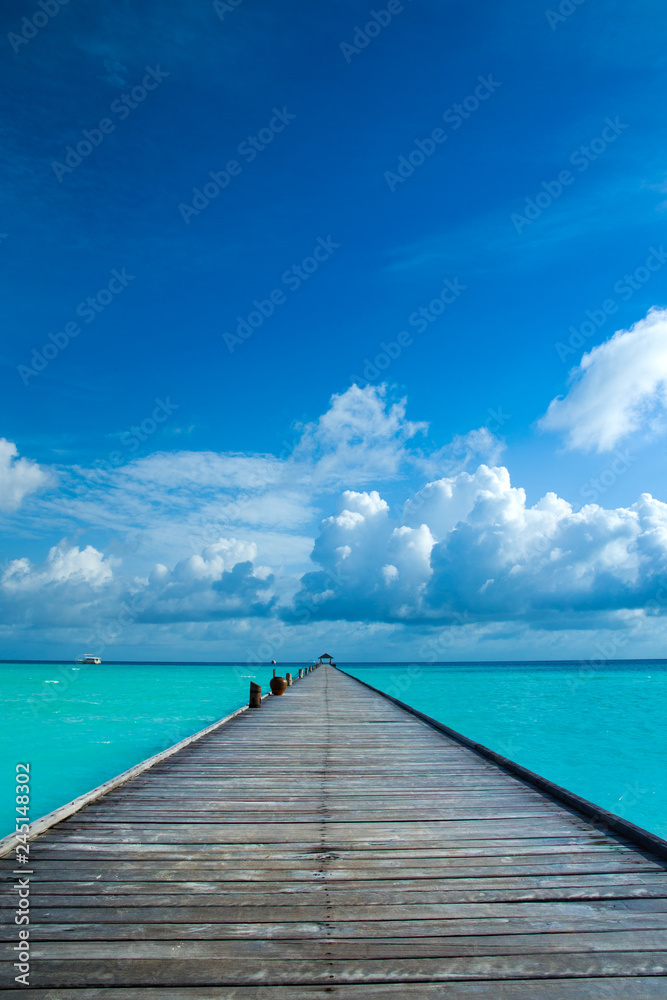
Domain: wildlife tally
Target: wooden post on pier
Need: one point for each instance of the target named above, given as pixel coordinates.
(288, 678)
(255, 695)
(300, 672)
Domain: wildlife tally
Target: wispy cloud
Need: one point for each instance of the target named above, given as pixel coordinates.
(116, 73)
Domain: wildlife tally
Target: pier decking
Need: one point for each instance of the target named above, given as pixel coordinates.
(330, 844)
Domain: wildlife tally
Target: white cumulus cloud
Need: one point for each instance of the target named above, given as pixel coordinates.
(619, 388)
(69, 587)
(362, 436)
(63, 565)
(470, 546)
(218, 583)
(18, 476)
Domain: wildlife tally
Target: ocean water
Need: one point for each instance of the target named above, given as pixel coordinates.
(78, 726)
(599, 731)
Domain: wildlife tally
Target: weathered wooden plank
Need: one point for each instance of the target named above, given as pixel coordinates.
(295, 909)
(46, 848)
(636, 988)
(333, 949)
(317, 894)
(350, 861)
(370, 885)
(351, 929)
(285, 832)
(147, 819)
(302, 813)
(55, 973)
(121, 871)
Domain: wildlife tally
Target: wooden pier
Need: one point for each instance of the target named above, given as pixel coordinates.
(329, 844)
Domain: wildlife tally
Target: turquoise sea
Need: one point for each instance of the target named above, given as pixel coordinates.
(78, 726)
(599, 731)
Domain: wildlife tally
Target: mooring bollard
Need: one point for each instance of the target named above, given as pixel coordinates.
(300, 672)
(255, 695)
(288, 678)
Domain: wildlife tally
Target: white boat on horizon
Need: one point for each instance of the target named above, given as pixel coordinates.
(89, 658)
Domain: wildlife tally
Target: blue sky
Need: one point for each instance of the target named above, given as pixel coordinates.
(472, 196)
